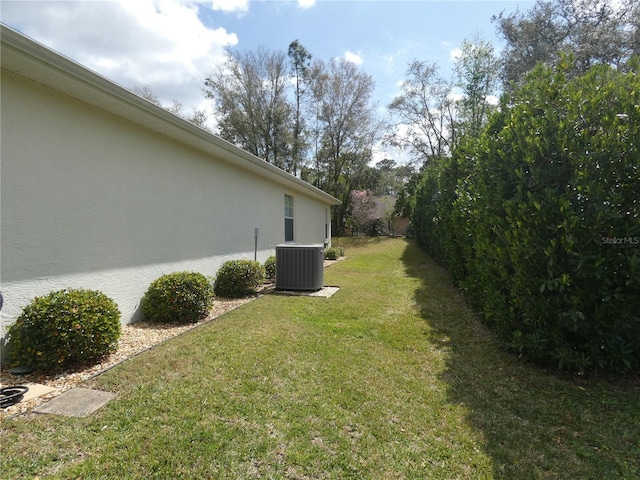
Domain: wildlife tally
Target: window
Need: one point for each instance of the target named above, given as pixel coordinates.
(288, 218)
(326, 225)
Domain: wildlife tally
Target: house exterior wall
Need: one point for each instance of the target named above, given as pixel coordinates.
(91, 200)
(400, 225)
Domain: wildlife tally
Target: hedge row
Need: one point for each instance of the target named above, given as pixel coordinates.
(539, 219)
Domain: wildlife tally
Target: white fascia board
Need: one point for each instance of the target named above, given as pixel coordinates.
(29, 59)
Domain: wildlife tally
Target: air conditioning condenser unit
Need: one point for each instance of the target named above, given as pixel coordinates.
(299, 267)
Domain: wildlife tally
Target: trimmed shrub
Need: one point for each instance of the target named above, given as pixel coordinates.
(270, 267)
(180, 297)
(331, 253)
(238, 278)
(64, 328)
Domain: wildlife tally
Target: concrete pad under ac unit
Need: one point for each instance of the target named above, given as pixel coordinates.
(324, 292)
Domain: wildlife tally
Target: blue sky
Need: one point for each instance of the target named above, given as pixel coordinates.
(383, 35)
(170, 46)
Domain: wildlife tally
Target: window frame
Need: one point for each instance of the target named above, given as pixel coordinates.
(289, 218)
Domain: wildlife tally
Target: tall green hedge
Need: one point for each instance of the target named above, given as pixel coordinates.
(539, 219)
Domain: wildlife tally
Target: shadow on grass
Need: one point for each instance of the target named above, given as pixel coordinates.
(532, 423)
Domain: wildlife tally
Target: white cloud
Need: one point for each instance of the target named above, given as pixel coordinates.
(159, 44)
(229, 6)
(456, 94)
(493, 100)
(353, 58)
(381, 152)
(304, 4)
(455, 54)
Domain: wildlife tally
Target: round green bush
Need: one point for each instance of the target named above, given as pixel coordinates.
(331, 253)
(270, 267)
(65, 327)
(179, 297)
(238, 278)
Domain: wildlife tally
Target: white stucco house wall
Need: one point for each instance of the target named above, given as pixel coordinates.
(104, 190)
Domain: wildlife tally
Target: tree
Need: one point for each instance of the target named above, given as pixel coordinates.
(477, 75)
(384, 178)
(389, 178)
(424, 113)
(634, 27)
(250, 94)
(146, 93)
(299, 58)
(175, 107)
(198, 117)
(346, 128)
(362, 209)
(595, 31)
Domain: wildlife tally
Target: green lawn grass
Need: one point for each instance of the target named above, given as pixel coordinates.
(392, 377)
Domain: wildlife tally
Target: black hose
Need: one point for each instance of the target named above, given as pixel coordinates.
(12, 395)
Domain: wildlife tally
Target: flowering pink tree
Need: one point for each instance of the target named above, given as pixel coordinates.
(363, 209)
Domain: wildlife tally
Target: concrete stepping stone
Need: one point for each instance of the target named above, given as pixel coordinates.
(76, 402)
(36, 390)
